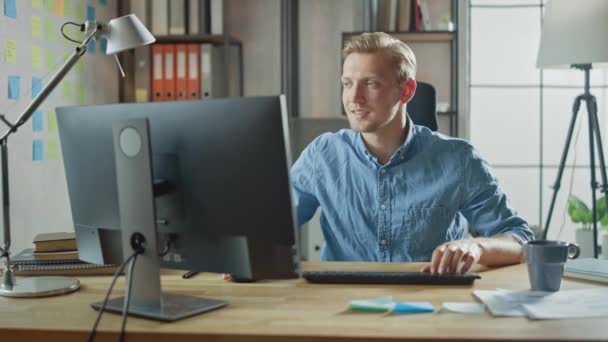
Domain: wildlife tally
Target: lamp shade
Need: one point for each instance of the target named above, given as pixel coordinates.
(125, 33)
(574, 32)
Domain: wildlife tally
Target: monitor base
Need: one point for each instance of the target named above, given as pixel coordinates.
(173, 307)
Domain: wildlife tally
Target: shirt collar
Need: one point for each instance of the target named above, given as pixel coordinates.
(401, 150)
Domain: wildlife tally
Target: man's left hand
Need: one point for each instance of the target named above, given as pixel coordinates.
(449, 256)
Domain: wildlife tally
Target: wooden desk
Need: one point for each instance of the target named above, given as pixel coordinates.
(293, 310)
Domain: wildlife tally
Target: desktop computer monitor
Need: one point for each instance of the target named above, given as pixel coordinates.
(220, 183)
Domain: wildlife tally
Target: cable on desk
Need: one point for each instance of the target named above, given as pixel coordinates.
(105, 300)
(125, 309)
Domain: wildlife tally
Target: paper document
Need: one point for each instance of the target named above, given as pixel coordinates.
(468, 308)
(564, 304)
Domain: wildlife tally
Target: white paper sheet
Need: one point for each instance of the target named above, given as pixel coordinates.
(467, 308)
(563, 304)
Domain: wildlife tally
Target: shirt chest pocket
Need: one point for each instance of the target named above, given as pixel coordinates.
(422, 230)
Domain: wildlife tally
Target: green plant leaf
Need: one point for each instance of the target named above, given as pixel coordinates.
(600, 204)
(579, 212)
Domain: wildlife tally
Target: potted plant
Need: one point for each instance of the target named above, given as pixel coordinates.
(579, 212)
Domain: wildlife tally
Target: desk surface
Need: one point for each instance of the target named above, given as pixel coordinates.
(293, 310)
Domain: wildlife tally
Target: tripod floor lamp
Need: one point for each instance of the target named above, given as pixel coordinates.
(122, 34)
(574, 34)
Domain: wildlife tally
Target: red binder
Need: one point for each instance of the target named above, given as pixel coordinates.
(194, 72)
(169, 68)
(181, 72)
(158, 89)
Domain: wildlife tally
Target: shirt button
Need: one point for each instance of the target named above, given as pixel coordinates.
(383, 242)
(383, 171)
(383, 206)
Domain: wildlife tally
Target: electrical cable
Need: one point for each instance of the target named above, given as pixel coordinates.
(66, 36)
(105, 301)
(573, 168)
(127, 299)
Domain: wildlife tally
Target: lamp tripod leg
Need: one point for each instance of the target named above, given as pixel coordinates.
(562, 163)
(593, 182)
(592, 109)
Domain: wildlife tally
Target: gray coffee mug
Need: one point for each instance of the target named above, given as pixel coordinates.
(546, 261)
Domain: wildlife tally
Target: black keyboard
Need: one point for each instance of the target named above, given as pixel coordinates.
(405, 278)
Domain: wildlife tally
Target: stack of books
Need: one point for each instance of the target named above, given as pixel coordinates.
(55, 254)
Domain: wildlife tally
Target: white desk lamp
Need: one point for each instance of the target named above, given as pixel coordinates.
(122, 33)
(575, 34)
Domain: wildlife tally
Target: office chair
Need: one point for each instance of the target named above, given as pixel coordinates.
(422, 107)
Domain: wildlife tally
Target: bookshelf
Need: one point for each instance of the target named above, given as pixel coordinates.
(437, 57)
(223, 51)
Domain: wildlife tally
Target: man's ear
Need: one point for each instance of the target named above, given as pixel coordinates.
(408, 89)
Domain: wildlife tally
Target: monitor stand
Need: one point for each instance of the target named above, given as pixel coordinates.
(138, 221)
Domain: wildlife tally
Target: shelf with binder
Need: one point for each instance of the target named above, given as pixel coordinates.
(190, 66)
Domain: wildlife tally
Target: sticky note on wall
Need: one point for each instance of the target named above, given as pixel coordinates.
(66, 90)
(37, 150)
(10, 51)
(52, 150)
(49, 5)
(14, 87)
(37, 4)
(36, 57)
(103, 45)
(79, 9)
(80, 91)
(36, 86)
(90, 13)
(67, 8)
(52, 121)
(58, 9)
(91, 46)
(37, 121)
(36, 24)
(10, 8)
(50, 60)
(49, 30)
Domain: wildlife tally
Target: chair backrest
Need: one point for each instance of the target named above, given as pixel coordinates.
(422, 108)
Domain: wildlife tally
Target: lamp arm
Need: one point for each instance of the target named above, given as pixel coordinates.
(48, 88)
(23, 118)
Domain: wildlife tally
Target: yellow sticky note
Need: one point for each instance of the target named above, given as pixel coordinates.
(59, 7)
(67, 8)
(79, 8)
(80, 66)
(141, 95)
(66, 90)
(52, 150)
(36, 57)
(10, 51)
(37, 4)
(36, 26)
(49, 5)
(80, 91)
(52, 121)
(50, 60)
(49, 30)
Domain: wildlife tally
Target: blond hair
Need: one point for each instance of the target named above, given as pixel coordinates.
(403, 57)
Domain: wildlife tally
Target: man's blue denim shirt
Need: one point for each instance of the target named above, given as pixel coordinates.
(424, 196)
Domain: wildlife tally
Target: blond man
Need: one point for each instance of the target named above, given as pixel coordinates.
(390, 190)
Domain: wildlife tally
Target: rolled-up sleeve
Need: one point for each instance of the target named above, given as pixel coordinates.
(303, 184)
(485, 206)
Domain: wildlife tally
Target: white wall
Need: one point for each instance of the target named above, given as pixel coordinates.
(257, 23)
(519, 115)
(39, 200)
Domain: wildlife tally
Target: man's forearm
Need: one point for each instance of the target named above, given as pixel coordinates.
(500, 250)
